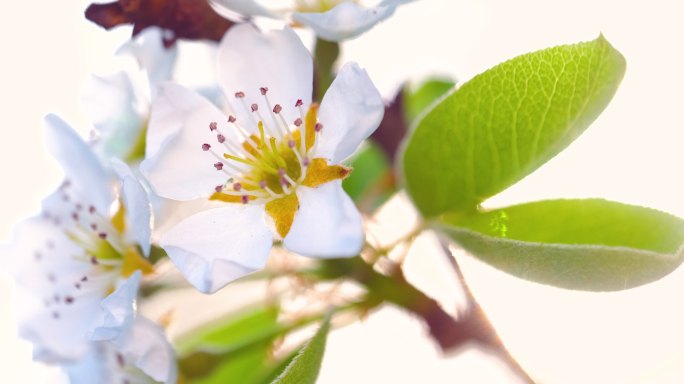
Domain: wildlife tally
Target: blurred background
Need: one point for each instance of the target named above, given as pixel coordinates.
(632, 153)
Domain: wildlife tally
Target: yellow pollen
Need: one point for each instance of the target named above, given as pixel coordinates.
(277, 165)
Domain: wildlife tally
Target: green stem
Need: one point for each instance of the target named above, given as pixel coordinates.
(326, 54)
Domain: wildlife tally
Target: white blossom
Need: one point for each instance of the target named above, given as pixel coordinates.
(272, 163)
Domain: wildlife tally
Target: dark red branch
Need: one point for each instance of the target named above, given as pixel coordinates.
(185, 19)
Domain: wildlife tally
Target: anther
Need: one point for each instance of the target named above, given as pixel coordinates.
(120, 360)
(239, 94)
(102, 235)
(298, 122)
(218, 188)
(93, 260)
(91, 209)
(277, 108)
(93, 226)
(299, 103)
(306, 162)
(206, 147)
(231, 119)
(291, 143)
(318, 127)
(263, 90)
(218, 166)
(254, 107)
(74, 216)
(281, 172)
(220, 138)
(237, 186)
(68, 299)
(245, 199)
(213, 126)
(263, 184)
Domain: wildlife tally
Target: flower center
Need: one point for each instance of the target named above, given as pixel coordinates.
(317, 5)
(94, 240)
(269, 161)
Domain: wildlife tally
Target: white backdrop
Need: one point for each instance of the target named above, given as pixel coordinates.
(632, 153)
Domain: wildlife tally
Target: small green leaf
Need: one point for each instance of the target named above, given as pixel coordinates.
(506, 122)
(372, 182)
(245, 367)
(232, 333)
(304, 368)
(590, 244)
(417, 100)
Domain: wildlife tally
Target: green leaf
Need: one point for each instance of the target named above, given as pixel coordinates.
(417, 100)
(372, 181)
(229, 346)
(506, 122)
(590, 244)
(232, 332)
(304, 368)
(246, 367)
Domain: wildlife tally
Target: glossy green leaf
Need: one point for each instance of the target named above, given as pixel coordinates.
(304, 368)
(588, 244)
(506, 122)
(417, 100)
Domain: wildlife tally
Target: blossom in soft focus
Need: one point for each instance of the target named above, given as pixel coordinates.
(119, 104)
(274, 161)
(333, 20)
(91, 235)
(125, 348)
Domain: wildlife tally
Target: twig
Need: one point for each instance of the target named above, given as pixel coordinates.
(477, 323)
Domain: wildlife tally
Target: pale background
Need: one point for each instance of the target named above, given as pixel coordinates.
(632, 153)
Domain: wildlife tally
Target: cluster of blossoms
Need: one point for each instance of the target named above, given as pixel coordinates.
(225, 182)
(78, 266)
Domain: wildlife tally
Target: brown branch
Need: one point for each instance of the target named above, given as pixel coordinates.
(186, 19)
(478, 324)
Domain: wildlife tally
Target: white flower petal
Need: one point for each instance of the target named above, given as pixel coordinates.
(155, 59)
(246, 7)
(119, 310)
(138, 213)
(351, 110)
(70, 342)
(145, 346)
(87, 175)
(138, 207)
(181, 169)
(250, 59)
(216, 246)
(91, 367)
(113, 106)
(345, 21)
(172, 106)
(327, 223)
(395, 2)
